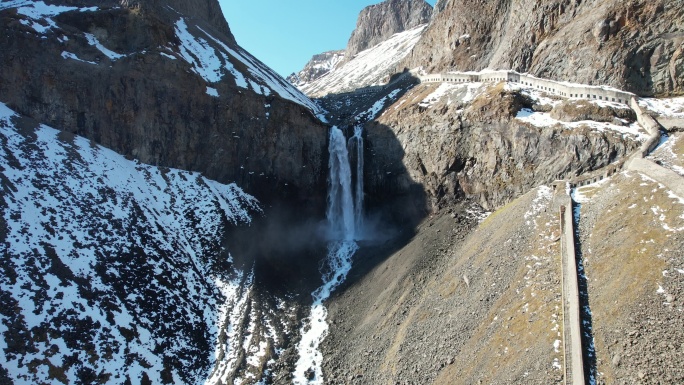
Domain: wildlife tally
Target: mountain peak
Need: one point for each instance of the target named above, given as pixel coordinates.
(377, 23)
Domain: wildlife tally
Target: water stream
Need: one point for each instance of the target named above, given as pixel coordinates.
(344, 215)
(588, 345)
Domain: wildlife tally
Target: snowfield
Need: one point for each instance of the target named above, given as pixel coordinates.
(672, 107)
(212, 60)
(369, 67)
(114, 271)
(544, 119)
(461, 92)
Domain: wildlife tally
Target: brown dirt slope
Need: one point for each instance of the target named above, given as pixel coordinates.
(454, 309)
(632, 235)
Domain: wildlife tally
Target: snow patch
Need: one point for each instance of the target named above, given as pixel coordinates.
(544, 119)
(264, 81)
(92, 40)
(38, 12)
(212, 92)
(69, 55)
(378, 106)
(539, 203)
(315, 328)
(369, 67)
(198, 53)
(670, 107)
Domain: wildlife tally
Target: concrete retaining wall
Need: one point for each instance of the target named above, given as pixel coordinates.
(650, 125)
(671, 124)
(662, 175)
(572, 327)
(568, 90)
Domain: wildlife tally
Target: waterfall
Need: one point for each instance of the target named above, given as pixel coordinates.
(344, 215)
(340, 212)
(355, 146)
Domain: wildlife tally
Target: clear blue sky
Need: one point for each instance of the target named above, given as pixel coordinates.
(286, 34)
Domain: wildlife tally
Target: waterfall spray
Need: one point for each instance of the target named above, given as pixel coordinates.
(355, 146)
(344, 215)
(340, 211)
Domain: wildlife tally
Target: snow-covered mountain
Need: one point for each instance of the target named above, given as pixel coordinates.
(373, 66)
(378, 22)
(173, 89)
(212, 59)
(208, 56)
(385, 33)
(116, 272)
(318, 66)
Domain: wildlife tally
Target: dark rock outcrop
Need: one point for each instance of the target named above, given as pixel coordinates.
(579, 110)
(376, 23)
(632, 45)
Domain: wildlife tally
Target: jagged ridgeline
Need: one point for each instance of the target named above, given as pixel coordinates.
(172, 211)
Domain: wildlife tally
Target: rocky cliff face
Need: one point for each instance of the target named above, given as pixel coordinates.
(318, 66)
(633, 45)
(376, 23)
(166, 88)
(460, 141)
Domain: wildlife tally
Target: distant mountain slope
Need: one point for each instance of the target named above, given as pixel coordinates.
(371, 67)
(114, 271)
(635, 45)
(377, 23)
(318, 66)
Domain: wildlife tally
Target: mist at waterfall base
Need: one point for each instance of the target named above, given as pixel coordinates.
(344, 216)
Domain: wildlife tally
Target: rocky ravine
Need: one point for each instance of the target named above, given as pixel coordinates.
(632, 45)
(460, 303)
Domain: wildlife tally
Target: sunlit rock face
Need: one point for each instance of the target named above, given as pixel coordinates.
(634, 46)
